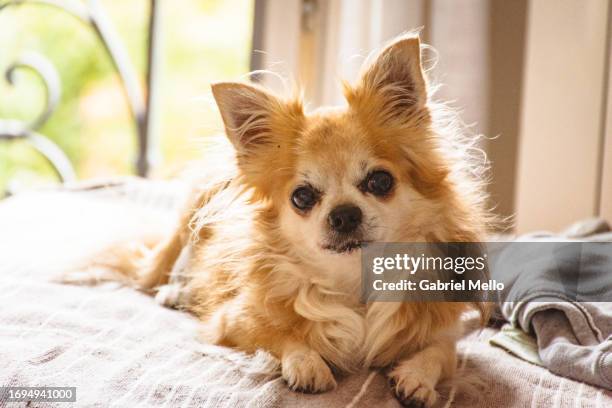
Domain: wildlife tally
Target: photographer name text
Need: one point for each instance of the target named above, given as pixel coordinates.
(437, 285)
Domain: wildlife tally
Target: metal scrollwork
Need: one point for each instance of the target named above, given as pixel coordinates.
(51, 81)
(16, 129)
(141, 102)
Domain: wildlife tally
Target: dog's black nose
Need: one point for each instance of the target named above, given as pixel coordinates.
(345, 218)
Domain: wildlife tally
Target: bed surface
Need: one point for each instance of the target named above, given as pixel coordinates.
(119, 347)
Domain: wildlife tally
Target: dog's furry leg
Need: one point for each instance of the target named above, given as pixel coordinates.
(160, 262)
(305, 370)
(415, 378)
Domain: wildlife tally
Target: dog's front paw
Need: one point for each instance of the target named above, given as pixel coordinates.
(169, 295)
(411, 391)
(306, 371)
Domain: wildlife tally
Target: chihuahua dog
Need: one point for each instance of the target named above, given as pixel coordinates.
(269, 244)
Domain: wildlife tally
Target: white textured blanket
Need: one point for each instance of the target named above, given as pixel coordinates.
(120, 348)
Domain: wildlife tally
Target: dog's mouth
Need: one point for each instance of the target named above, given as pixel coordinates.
(346, 247)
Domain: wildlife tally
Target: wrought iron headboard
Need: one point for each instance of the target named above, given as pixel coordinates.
(141, 101)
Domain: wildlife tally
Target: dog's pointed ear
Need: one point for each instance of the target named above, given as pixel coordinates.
(246, 111)
(394, 83)
(263, 129)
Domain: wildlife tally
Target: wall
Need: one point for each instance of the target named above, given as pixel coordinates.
(560, 138)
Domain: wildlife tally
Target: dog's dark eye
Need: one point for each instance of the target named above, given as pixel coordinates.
(378, 183)
(304, 198)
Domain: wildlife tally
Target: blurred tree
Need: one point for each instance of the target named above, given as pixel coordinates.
(202, 42)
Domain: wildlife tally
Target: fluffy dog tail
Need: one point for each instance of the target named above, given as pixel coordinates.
(125, 261)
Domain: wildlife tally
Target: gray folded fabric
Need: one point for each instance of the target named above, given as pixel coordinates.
(566, 304)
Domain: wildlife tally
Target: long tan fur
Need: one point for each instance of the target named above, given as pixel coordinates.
(257, 275)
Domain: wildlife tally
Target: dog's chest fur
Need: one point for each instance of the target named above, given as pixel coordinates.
(346, 332)
(355, 334)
